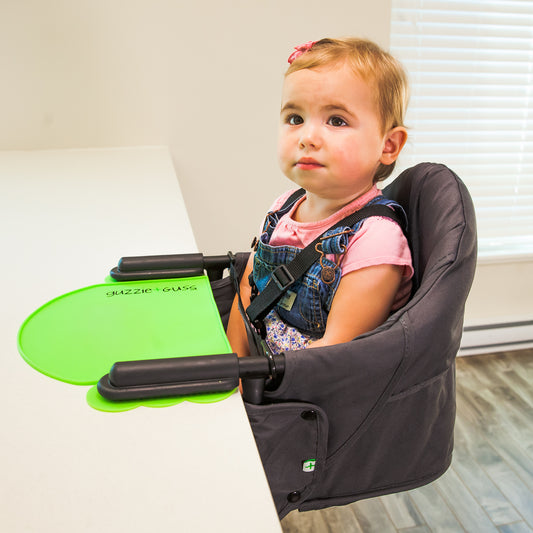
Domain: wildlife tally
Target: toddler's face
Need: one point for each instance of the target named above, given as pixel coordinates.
(330, 139)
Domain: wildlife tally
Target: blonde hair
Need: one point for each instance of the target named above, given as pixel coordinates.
(376, 67)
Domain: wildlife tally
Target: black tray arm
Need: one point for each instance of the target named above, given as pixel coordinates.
(157, 378)
(170, 266)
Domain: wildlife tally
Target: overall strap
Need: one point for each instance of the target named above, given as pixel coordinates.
(284, 276)
(273, 217)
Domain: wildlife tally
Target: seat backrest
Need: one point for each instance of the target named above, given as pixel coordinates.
(439, 209)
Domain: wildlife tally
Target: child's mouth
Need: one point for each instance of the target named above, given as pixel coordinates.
(308, 163)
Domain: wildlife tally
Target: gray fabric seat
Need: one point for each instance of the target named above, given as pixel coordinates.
(376, 415)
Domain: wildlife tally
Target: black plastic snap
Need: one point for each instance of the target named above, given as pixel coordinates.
(309, 415)
(293, 497)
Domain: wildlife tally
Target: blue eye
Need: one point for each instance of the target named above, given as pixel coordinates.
(295, 120)
(337, 121)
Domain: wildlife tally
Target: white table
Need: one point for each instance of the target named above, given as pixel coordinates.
(66, 218)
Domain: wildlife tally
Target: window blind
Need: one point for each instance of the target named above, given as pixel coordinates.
(470, 64)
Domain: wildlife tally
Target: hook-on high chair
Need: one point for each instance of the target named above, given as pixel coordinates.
(376, 415)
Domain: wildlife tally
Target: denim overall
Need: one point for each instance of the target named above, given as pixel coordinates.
(307, 303)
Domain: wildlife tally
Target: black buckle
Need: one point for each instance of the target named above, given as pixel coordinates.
(260, 327)
(282, 277)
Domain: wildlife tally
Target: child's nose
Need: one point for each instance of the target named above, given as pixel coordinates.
(310, 136)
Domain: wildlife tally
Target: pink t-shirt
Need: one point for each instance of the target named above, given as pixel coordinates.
(379, 240)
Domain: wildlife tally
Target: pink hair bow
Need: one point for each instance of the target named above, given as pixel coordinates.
(299, 50)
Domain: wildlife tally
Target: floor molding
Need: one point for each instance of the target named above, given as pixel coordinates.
(503, 336)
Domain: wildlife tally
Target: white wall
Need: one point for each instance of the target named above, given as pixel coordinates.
(501, 297)
(203, 78)
(502, 292)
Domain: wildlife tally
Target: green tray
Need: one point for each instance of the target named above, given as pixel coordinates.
(77, 337)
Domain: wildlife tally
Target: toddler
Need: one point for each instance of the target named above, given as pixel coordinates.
(341, 131)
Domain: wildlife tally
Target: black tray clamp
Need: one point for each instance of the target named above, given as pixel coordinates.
(158, 378)
(170, 266)
(179, 376)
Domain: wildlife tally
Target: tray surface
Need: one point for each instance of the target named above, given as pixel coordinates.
(77, 337)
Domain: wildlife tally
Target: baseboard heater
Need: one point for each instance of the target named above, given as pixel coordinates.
(490, 338)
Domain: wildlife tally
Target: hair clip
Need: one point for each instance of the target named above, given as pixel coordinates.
(300, 50)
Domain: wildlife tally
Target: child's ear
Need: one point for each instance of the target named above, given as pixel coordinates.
(394, 142)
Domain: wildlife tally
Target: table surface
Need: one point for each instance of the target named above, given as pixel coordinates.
(67, 217)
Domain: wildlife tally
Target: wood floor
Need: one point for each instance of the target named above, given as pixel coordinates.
(488, 488)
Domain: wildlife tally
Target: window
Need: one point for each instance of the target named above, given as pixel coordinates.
(470, 64)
